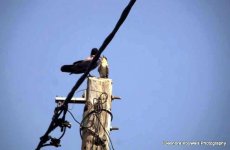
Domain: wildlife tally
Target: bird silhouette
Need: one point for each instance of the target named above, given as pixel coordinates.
(81, 66)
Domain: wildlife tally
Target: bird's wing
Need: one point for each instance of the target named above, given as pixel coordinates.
(78, 67)
(99, 69)
(77, 62)
(107, 71)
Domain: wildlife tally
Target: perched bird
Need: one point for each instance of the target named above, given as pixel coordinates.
(103, 68)
(81, 66)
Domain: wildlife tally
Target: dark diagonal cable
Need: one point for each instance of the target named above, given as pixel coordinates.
(64, 109)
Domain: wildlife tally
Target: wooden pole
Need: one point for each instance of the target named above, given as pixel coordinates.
(97, 114)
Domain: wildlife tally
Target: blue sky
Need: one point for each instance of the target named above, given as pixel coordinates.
(169, 62)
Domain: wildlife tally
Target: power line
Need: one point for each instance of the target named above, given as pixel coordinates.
(58, 111)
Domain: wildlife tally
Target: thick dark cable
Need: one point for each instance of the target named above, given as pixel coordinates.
(53, 125)
(101, 49)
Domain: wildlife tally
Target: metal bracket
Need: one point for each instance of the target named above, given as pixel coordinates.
(76, 100)
(115, 97)
(114, 128)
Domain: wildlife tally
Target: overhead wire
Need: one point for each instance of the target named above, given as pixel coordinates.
(64, 108)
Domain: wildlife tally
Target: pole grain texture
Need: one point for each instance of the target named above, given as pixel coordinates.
(96, 116)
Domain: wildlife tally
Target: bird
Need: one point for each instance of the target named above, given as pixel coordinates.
(103, 68)
(81, 66)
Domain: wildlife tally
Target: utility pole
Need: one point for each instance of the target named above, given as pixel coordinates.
(97, 114)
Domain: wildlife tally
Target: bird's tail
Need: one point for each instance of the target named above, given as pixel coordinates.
(67, 68)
